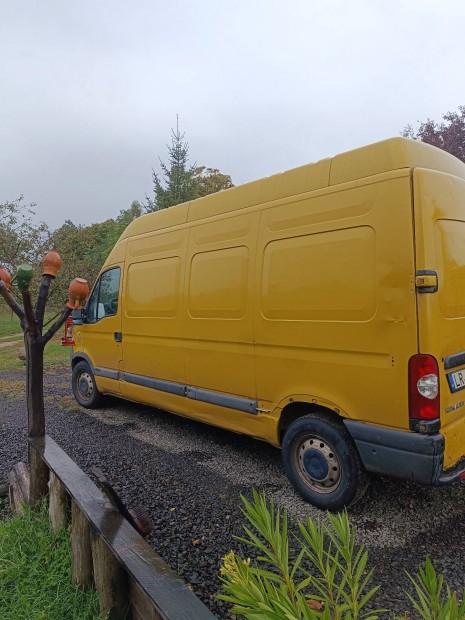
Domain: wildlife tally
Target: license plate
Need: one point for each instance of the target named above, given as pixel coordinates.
(456, 380)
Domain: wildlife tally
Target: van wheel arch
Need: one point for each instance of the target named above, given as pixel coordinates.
(294, 411)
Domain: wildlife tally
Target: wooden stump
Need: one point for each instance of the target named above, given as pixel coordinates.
(110, 580)
(81, 554)
(58, 506)
(19, 487)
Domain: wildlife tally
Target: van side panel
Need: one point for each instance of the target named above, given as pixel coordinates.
(219, 353)
(335, 301)
(152, 322)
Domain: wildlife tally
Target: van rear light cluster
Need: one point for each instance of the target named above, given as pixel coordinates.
(424, 393)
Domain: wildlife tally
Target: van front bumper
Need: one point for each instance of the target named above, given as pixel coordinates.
(403, 454)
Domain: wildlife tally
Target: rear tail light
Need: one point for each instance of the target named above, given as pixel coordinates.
(423, 388)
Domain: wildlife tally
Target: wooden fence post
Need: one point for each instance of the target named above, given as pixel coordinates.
(111, 580)
(81, 554)
(58, 506)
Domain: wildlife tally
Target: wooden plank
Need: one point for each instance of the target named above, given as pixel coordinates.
(58, 505)
(111, 580)
(81, 554)
(171, 597)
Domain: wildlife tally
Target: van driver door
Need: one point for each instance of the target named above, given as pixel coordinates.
(102, 335)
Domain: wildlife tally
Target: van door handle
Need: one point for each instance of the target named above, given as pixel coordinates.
(118, 337)
(426, 281)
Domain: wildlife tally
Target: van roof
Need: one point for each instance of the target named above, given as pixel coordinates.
(392, 154)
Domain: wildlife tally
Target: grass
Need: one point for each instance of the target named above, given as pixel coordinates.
(35, 573)
(54, 355)
(9, 322)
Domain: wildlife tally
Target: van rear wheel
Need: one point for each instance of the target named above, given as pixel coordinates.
(322, 462)
(84, 387)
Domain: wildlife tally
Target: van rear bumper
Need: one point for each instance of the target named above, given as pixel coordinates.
(403, 454)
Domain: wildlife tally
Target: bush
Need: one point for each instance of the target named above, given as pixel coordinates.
(329, 578)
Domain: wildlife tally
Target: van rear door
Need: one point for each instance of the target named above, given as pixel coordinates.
(439, 212)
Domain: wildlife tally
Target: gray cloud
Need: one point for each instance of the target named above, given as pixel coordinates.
(89, 91)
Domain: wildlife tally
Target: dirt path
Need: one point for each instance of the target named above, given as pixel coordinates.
(20, 335)
(7, 344)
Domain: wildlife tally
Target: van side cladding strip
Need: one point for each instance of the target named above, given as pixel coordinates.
(107, 373)
(223, 400)
(452, 361)
(155, 384)
(205, 396)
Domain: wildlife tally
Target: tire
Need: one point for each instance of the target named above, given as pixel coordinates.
(322, 462)
(84, 387)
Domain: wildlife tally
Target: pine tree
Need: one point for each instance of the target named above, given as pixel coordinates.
(178, 183)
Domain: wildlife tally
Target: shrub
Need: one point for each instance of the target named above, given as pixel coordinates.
(329, 579)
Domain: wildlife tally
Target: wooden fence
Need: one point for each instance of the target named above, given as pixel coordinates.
(131, 580)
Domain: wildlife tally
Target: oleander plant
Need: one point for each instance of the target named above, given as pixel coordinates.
(329, 578)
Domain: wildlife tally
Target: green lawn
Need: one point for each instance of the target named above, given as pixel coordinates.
(10, 331)
(35, 573)
(54, 355)
(9, 322)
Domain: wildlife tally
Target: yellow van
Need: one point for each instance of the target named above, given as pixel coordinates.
(321, 310)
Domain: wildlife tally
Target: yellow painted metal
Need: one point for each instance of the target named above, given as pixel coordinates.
(301, 287)
(439, 201)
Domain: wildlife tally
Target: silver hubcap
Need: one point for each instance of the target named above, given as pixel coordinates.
(317, 464)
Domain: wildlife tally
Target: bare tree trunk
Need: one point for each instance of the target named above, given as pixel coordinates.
(35, 414)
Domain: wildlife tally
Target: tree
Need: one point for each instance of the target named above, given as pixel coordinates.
(211, 180)
(32, 323)
(181, 182)
(85, 248)
(448, 135)
(178, 184)
(21, 240)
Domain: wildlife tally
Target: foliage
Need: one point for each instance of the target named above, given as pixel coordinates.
(21, 240)
(181, 182)
(432, 600)
(448, 135)
(84, 249)
(35, 572)
(178, 183)
(211, 180)
(327, 580)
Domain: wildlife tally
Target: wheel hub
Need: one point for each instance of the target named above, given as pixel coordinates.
(86, 386)
(317, 464)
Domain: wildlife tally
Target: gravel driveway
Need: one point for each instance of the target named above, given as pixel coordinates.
(190, 477)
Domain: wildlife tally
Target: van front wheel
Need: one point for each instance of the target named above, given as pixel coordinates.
(322, 462)
(84, 387)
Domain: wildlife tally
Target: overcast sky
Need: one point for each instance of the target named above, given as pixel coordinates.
(90, 89)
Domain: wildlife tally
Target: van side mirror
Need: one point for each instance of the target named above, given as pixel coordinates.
(78, 316)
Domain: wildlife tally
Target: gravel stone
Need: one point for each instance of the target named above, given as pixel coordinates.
(190, 477)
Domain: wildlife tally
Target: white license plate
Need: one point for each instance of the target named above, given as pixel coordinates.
(456, 380)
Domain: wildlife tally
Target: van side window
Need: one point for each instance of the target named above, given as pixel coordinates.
(104, 299)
